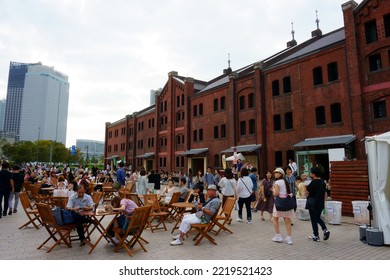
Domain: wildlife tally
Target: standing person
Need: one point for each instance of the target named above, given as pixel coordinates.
(18, 179)
(209, 177)
(244, 191)
(228, 185)
(199, 178)
(217, 177)
(6, 187)
(121, 176)
(266, 199)
(253, 176)
(301, 188)
(316, 202)
(281, 188)
(290, 177)
(293, 166)
(190, 181)
(142, 183)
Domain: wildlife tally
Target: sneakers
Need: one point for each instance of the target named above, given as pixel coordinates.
(4, 213)
(176, 242)
(288, 240)
(176, 237)
(239, 220)
(249, 222)
(116, 241)
(326, 234)
(314, 238)
(10, 212)
(15, 211)
(277, 238)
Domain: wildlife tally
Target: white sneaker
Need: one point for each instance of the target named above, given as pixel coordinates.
(176, 237)
(239, 220)
(288, 240)
(249, 222)
(116, 241)
(277, 238)
(176, 242)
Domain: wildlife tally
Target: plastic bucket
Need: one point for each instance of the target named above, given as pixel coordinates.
(303, 214)
(360, 212)
(333, 212)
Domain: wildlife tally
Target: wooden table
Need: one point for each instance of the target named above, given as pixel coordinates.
(180, 210)
(98, 217)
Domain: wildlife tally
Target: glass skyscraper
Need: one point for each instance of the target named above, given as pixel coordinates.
(37, 102)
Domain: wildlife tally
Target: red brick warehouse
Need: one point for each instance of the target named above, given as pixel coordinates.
(309, 102)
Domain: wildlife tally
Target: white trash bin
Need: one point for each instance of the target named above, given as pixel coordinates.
(303, 214)
(360, 212)
(333, 212)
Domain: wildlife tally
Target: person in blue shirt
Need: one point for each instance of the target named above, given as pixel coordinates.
(209, 177)
(121, 174)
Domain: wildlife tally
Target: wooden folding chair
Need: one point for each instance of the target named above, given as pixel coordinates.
(203, 230)
(135, 198)
(170, 209)
(28, 189)
(108, 191)
(224, 216)
(31, 212)
(156, 213)
(59, 201)
(133, 233)
(57, 233)
(39, 198)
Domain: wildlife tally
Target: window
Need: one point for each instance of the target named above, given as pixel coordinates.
(370, 29)
(195, 135)
(242, 102)
(277, 123)
(333, 74)
(216, 160)
(278, 158)
(178, 116)
(200, 109)
(375, 62)
(223, 103)
(201, 134)
(275, 88)
(242, 128)
(177, 101)
(182, 100)
(165, 105)
(286, 84)
(290, 154)
(379, 109)
(216, 132)
(251, 100)
(335, 113)
(386, 21)
(288, 120)
(320, 115)
(215, 105)
(317, 76)
(223, 131)
(195, 110)
(252, 126)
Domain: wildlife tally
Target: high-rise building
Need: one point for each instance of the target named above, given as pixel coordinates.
(2, 113)
(37, 102)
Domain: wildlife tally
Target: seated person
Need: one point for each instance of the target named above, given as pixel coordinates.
(207, 210)
(183, 189)
(126, 207)
(80, 201)
(85, 182)
(168, 191)
(196, 194)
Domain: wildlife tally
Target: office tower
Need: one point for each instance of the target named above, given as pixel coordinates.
(2, 113)
(37, 102)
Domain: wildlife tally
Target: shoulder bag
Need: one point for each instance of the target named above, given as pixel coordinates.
(252, 196)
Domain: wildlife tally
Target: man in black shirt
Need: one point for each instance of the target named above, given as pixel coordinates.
(18, 184)
(6, 187)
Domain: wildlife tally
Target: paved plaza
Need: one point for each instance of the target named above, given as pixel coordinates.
(249, 242)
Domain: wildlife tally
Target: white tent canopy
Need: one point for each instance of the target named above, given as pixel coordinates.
(239, 156)
(378, 156)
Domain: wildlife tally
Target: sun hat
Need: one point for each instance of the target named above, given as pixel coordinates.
(279, 170)
(212, 187)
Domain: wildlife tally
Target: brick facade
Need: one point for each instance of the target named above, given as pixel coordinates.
(331, 85)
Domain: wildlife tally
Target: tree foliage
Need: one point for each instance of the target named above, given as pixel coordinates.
(39, 151)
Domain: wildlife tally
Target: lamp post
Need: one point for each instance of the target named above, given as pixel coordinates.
(87, 152)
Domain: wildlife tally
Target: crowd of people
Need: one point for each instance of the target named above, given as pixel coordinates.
(241, 182)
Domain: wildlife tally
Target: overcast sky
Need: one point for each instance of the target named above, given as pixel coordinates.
(116, 51)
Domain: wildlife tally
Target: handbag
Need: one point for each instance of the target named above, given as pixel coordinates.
(286, 203)
(57, 215)
(67, 216)
(252, 196)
